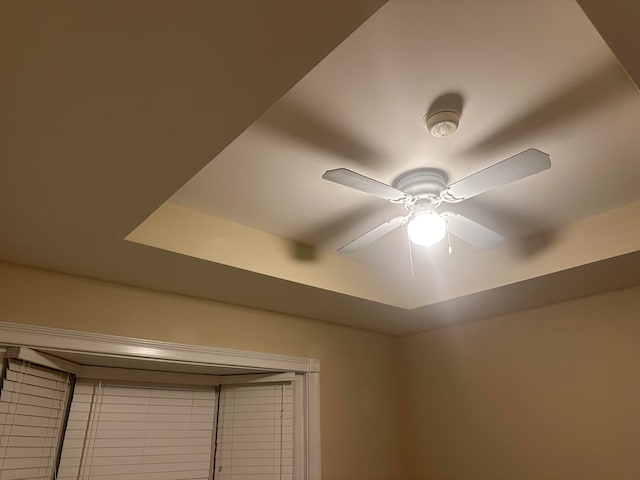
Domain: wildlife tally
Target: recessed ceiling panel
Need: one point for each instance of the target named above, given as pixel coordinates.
(526, 75)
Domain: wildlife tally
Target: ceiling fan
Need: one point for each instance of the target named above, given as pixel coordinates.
(423, 190)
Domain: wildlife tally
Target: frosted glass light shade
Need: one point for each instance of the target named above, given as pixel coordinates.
(427, 229)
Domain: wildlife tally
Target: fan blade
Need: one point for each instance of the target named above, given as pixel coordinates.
(368, 185)
(373, 235)
(513, 168)
(473, 233)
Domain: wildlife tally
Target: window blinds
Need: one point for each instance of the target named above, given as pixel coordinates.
(133, 432)
(255, 432)
(33, 405)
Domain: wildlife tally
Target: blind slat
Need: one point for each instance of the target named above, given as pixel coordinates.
(139, 432)
(255, 432)
(32, 408)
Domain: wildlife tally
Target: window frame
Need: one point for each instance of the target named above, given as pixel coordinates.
(306, 370)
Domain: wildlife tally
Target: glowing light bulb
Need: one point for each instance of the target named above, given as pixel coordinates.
(427, 229)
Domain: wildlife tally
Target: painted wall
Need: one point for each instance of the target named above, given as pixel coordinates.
(551, 393)
(359, 384)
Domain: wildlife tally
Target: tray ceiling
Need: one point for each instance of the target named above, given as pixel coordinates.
(200, 135)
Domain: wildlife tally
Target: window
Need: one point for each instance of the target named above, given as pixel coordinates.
(141, 432)
(33, 403)
(255, 432)
(133, 409)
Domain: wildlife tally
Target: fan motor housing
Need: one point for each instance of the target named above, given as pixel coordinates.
(422, 182)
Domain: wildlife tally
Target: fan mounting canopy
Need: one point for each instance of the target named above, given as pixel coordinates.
(422, 182)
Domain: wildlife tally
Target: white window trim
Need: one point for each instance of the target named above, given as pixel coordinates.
(42, 359)
(34, 336)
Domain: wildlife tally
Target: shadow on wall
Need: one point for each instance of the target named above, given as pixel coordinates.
(606, 84)
(525, 228)
(447, 102)
(318, 133)
(302, 249)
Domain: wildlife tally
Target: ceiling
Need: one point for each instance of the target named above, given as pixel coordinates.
(182, 150)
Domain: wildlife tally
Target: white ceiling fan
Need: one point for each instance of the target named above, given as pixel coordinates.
(422, 190)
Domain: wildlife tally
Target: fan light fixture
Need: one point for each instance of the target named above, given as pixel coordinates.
(427, 229)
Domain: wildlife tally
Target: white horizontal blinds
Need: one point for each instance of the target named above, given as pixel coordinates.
(131, 432)
(255, 432)
(33, 405)
(2, 366)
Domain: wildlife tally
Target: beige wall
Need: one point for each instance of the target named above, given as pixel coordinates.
(551, 393)
(359, 385)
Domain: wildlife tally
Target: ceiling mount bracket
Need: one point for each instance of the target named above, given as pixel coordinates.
(422, 182)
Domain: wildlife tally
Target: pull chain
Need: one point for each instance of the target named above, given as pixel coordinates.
(410, 255)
